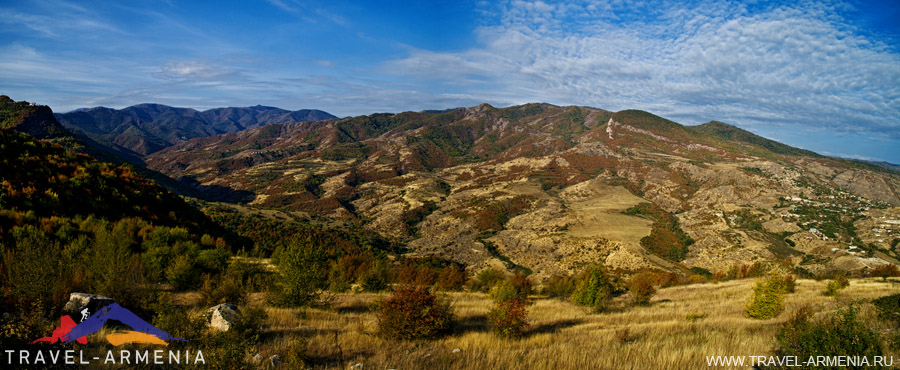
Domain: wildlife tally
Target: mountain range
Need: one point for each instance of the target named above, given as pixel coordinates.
(139, 130)
(549, 188)
(535, 187)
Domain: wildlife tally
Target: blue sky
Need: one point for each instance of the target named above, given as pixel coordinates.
(819, 75)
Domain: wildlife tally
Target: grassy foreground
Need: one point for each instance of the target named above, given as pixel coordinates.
(678, 330)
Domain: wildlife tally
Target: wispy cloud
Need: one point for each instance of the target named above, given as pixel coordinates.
(304, 10)
(55, 19)
(197, 71)
(783, 65)
(796, 70)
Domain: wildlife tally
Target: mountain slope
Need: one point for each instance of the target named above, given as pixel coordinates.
(548, 188)
(32, 119)
(139, 130)
(730, 133)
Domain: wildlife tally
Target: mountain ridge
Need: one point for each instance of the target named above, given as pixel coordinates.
(136, 131)
(508, 187)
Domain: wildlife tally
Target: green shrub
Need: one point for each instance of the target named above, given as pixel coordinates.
(295, 354)
(785, 283)
(231, 349)
(695, 316)
(377, 278)
(177, 321)
(253, 276)
(559, 286)
(222, 289)
(842, 333)
(594, 288)
(413, 312)
(835, 285)
(486, 279)
(888, 308)
(516, 287)
(503, 291)
(302, 268)
(24, 324)
(509, 318)
(182, 273)
(641, 288)
(767, 300)
(213, 260)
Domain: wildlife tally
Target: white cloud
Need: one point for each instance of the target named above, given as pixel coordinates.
(56, 19)
(776, 66)
(196, 71)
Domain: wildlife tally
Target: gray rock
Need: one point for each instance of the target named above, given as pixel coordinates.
(223, 316)
(78, 302)
(456, 350)
(274, 360)
(257, 359)
(357, 366)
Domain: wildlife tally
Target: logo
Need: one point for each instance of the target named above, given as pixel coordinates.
(105, 309)
(141, 331)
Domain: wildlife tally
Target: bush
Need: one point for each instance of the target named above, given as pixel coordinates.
(451, 278)
(843, 333)
(785, 283)
(377, 278)
(503, 291)
(593, 288)
(346, 271)
(230, 349)
(182, 273)
(24, 324)
(303, 273)
(486, 279)
(559, 286)
(413, 312)
(516, 287)
(835, 285)
(222, 289)
(509, 318)
(695, 316)
(522, 284)
(888, 308)
(767, 300)
(253, 276)
(641, 288)
(666, 279)
(885, 271)
(177, 321)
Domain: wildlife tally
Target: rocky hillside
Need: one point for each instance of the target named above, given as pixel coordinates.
(548, 188)
(30, 118)
(139, 130)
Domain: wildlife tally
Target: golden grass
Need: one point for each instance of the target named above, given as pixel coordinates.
(563, 336)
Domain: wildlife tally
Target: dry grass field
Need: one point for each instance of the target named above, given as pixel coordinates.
(680, 327)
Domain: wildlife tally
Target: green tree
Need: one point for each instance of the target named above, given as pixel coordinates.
(593, 288)
(303, 270)
(767, 300)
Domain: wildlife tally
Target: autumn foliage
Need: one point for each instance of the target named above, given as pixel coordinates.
(666, 238)
(509, 318)
(413, 312)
